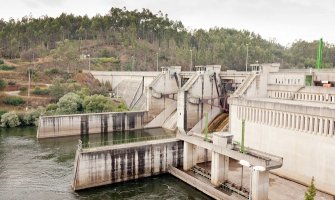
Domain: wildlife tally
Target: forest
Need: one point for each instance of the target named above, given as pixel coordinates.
(138, 39)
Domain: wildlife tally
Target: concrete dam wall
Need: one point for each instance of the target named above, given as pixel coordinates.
(79, 124)
(118, 163)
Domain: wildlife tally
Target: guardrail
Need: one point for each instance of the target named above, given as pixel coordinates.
(86, 145)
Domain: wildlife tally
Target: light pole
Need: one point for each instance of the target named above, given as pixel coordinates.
(157, 61)
(191, 60)
(132, 63)
(89, 62)
(246, 59)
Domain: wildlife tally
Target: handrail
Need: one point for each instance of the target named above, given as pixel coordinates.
(123, 141)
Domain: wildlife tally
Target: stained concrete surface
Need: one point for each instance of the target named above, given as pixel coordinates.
(280, 188)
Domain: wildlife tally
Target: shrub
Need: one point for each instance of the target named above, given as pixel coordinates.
(2, 112)
(13, 100)
(6, 67)
(31, 118)
(1, 62)
(69, 104)
(3, 84)
(10, 119)
(12, 83)
(311, 191)
(52, 71)
(23, 88)
(39, 91)
(98, 103)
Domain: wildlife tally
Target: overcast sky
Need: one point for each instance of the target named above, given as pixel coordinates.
(284, 20)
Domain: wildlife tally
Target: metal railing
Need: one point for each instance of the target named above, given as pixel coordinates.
(86, 145)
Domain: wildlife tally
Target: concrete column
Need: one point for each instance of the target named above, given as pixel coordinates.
(260, 185)
(316, 125)
(310, 128)
(189, 159)
(220, 163)
(331, 128)
(285, 120)
(301, 123)
(321, 126)
(326, 127)
(306, 124)
(293, 121)
(281, 119)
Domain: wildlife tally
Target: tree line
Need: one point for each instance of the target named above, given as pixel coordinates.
(126, 28)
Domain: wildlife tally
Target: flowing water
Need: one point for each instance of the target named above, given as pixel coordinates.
(43, 169)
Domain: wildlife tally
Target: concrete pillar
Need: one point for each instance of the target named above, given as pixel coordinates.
(321, 126)
(326, 127)
(316, 125)
(260, 185)
(306, 124)
(293, 121)
(310, 128)
(331, 128)
(301, 123)
(220, 163)
(189, 159)
(285, 120)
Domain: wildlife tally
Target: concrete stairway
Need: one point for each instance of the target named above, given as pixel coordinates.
(244, 86)
(171, 121)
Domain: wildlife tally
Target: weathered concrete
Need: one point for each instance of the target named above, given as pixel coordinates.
(81, 124)
(291, 120)
(118, 163)
(206, 188)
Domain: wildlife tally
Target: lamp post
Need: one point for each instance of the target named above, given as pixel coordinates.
(246, 59)
(157, 61)
(89, 62)
(191, 60)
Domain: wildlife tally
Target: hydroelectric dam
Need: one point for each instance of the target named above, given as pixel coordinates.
(266, 120)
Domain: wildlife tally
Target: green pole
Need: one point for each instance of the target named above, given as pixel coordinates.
(242, 140)
(319, 55)
(206, 126)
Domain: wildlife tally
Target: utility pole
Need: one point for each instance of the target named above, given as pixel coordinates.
(191, 60)
(246, 59)
(157, 61)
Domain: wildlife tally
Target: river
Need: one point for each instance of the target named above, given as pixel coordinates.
(43, 169)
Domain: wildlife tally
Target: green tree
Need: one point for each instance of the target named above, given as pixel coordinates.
(10, 119)
(3, 84)
(57, 90)
(69, 104)
(98, 103)
(311, 192)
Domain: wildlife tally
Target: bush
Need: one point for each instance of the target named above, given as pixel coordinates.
(31, 118)
(39, 91)
(23, 88)
(2, 112)
(98, 103)
(6, 67)
(12, 83)
(10, 119)
(69, 104)
(13, 100)
(3, 84)
(52, 71)
(1, 62)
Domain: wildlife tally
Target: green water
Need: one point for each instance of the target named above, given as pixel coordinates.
(43, 169)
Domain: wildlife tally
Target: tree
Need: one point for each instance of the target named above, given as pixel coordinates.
(311, 192)
(98, 103)
(69, 104)
(3, 84)
(10, 119)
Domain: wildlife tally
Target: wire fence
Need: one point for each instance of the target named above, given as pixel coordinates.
(86, 145)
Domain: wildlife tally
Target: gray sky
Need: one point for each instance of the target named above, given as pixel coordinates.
(284, 20)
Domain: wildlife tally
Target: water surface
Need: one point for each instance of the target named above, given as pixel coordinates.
(43, 169)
